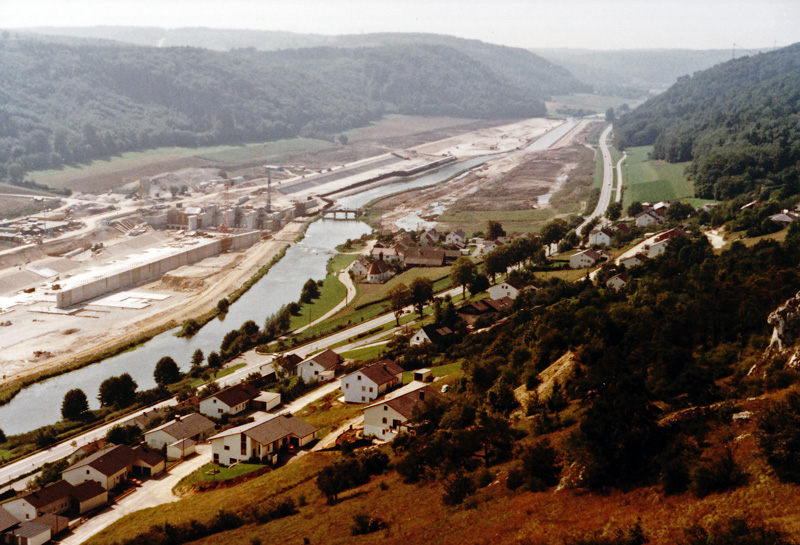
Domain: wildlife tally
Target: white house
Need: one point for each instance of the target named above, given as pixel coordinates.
(184, 432)
(486, 247)
(53, 498)
(386, 418)
(511, 287)
(368, 383)
(429, 237)
(111, 466)
(231, 400)
(321, 367)
(647, 218)
(262, 440)
(601, 236)
(433, 333)
(583, 259)
(617, 282)
(658, 244)
(30, 533)
(633, 261)
(379, 272)
(359, 268)
(456, 238)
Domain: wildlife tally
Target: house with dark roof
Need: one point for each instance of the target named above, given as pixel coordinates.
(456, 238)
(433, 333)
(147, 418)
(372, 381)
(511, 287)
(262, 440)
(30, 533)
(657, 245)
(648, 217)
(585, 258)
(180, 435)
(618, 281)
(57, 523)
(379, 272)
(489, 308)
(385, 419)
(55, 499)
(111, 466)
(231, 400)
(633, 260)
(289, 362)
(7, 520)
(429, 237)
(321, 367)
(424, 257)
(86, 496)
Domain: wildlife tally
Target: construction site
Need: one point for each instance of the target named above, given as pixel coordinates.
(166, 248)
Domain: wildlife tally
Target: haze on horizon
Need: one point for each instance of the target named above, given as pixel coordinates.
(611, 24)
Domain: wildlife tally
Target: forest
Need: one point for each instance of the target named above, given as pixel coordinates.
(70, 103)
(738, 122)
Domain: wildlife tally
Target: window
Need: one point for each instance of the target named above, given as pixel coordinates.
(243, 444)
(370, 388)
(87, 471)
(358, 377)
(227, 447)
(363, 389)
(384, 420)
(385, 408)
(346, 385)
(362, 398)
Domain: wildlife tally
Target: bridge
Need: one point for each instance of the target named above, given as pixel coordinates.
(341, 213)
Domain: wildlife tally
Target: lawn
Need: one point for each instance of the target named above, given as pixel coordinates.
(213, 472)
(439, 371)
(219, 374)
(370, 293)
(366, 353)
(269, 150)
(647, 180)
(327, 413)
(330, 295)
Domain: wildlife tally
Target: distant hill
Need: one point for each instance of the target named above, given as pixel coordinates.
(517, 66)
(71, 102)
(635, 72)
(739, 123)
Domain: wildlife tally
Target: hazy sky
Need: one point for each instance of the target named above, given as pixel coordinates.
(596, 24)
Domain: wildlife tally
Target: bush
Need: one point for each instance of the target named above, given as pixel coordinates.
(457, 488)
(735, 531)
(716, 472)
(365, 524)
(778, 434)
(540, 469)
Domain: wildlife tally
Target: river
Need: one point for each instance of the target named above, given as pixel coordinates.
(40, 404)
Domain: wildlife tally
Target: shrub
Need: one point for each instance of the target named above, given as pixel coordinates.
(365, 524)
(716, 472)
(735, 531)
(778, 436)
(457, 488)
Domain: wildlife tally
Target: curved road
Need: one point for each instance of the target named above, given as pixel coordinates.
(608, 182)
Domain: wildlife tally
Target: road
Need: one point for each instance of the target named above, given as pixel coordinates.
(618, 198)
(608, 182)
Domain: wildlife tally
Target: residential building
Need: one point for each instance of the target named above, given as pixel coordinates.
(289, 363)
(647, 218)
(184, 432)
(633, 261)
(53, 498)
(429, 237)
(231, 400)
(433, 333)
(511, 287)
(385, 419)
(372, 381)
(784, 218)
(456, 238)
(618, 281)
(261, 440)
(601, 236)
(321, 367)
(585, 258)
(379, 272)
(489, 308)
(424, 257)
(359, 268)
(30, 533)
(658, 244)
(111, 466)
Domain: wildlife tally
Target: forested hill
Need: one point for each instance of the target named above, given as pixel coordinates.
(69, 103)
(738, 122)
(516, 66)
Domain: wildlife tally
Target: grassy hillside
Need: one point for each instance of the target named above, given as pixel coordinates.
(648, 180)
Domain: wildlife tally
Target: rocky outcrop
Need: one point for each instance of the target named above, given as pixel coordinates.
(785, 321)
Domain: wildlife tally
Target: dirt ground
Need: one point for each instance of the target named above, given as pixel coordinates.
(511, 183)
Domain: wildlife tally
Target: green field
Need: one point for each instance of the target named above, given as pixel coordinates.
(652, 181)
(364, 354)
(331, 293)
(270, 150)
(439, 371)
(213, 472)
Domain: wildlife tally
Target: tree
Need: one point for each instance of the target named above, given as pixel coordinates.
(495, 263)
(495, 230)
(463, 273)
(197, 358)
(166, 371)
(118, 392)
(610, 117)
(479, 283)
(399, 298)
(614, 210)
(310, 291)
(553, 231)
(343, 139)
(124, 435)
(778, 436)
(74, 405)
(635, 208)
(421, 290)
(679, 211)
(2, 436)
(214, 361)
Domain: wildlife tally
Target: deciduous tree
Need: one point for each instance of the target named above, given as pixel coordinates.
(74, 405)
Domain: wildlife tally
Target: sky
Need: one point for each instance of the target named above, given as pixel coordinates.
(591, 24)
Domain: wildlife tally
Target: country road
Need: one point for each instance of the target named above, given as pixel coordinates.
(608, 182)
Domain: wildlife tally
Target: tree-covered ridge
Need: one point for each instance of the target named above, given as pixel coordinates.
(515, 66)
(739, 123)
(65, 104)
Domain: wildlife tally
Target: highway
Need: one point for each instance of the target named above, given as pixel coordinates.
(608, 182)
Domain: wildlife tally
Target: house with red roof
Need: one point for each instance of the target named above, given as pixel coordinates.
(231, 400)
(320, 367)
(372, 381)
(385, 419)
(261, 440)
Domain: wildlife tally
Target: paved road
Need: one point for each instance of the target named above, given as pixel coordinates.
(618, 198)
(608, 181)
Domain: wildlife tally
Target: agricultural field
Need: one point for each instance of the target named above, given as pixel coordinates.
(652, 181)
(394, 126)
(272, 151)
(584, 101)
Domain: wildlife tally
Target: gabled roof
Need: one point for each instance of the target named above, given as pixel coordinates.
(236, 394)
(109, 461)
(277, 428)
(436, 332)
(591, 254)
(88, 490)
(147, 417)
(517, 282)
(7, 520)
(383, 372)
(403, 400)
(378, 267)
(49, 494)
(327, 359)
(426, 257)
(621, 276)
(30, 530)
(504, 303)
(459, 233)
(185, 426)
(147, 456)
